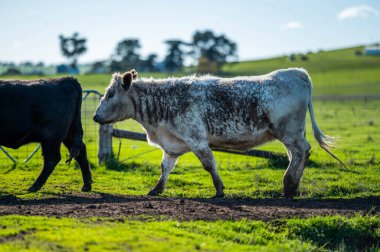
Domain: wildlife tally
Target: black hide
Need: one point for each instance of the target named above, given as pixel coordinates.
(47, 111)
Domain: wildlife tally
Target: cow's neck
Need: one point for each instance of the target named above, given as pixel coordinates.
(141, 113)
(150, 105)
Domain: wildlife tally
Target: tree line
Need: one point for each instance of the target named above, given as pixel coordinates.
(208, 49)
(208, 52)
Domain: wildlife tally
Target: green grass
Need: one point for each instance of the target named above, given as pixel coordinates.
(89, 234)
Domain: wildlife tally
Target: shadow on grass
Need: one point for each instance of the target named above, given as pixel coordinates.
(281, 163)
(11, 168)
(124, 166)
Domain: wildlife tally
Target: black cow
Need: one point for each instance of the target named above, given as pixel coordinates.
(47, 111)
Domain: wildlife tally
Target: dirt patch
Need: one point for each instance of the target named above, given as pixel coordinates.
(106, 205)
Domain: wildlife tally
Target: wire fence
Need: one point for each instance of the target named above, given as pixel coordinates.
(354, 119)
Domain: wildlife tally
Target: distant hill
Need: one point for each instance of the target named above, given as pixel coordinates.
(333, 72)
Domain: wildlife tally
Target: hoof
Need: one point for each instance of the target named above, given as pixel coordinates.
(86, 188)
(290, 193)
(153, 193)
(290, 187)
(287, 196)
(218, 196)
(34, 188)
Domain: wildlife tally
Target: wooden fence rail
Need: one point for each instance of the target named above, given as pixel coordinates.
(106, 132)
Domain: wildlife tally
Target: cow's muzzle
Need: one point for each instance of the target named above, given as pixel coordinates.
(98, 119)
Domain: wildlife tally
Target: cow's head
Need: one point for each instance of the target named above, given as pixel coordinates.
(116, 105)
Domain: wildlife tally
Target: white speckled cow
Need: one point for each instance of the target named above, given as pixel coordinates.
(198, 113)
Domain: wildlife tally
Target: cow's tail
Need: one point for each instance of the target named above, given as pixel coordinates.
(324, 141)
(76, 130)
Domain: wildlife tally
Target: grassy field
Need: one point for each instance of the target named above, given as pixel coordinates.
(318, 233)
(355, 122)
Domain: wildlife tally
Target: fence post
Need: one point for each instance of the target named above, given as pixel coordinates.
(105, 143)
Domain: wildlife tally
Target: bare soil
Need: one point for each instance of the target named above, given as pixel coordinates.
(184, 209)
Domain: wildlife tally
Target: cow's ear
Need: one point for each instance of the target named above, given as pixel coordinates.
(134, 74)
(127, 80)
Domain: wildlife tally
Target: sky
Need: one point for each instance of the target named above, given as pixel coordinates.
(29, 29)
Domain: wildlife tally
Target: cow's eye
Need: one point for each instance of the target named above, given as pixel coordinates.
(110, 95)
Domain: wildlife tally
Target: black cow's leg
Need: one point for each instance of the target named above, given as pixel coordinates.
(84, 165)
(208, 161)
(52, 156)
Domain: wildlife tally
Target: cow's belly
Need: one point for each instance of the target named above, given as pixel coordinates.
(15, 140)
(167, 141)
(241, 140)
(14, 136)
(176, 145)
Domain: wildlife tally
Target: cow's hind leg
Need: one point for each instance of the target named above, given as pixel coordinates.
(298, 151)
(84, 165)
(167, 165)
(208, 161)
(291, 132)
(52, 156)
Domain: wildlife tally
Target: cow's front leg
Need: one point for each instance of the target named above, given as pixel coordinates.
(208, 161)
(167, 165)
(52, 156)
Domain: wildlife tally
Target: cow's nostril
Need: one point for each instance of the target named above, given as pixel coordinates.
(96, 118)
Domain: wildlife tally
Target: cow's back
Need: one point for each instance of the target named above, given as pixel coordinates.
(34, 111)
(245, 103)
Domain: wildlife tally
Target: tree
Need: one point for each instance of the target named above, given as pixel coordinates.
(304, 57)
(40, 64)
(292, 57)
(72, 47)
(206, 66)
(149, 63)
(174, 59)
(98, 67)
(12, 71)
(126, 55)
(27, 64)
(216, 49)
(116, 66)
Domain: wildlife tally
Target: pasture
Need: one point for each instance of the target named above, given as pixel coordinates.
(337, 209)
